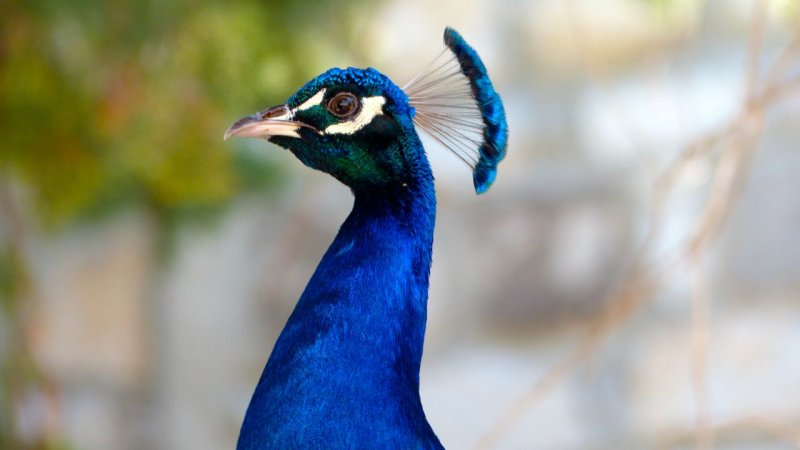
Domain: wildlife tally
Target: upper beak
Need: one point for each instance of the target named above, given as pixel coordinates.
(275, 121)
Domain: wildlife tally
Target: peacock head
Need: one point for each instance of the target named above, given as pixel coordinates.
(354, 124)
(358, 126)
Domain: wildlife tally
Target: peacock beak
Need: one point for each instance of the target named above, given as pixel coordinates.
(275, 121)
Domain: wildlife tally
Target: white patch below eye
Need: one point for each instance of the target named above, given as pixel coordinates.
(315, 100)
(370, 107)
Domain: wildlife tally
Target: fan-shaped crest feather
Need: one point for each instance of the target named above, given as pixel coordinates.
(457, 105)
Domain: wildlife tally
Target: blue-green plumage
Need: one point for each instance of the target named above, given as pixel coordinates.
(493, 115)
(344, 372)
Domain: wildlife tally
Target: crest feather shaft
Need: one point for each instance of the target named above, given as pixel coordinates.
(457, 105)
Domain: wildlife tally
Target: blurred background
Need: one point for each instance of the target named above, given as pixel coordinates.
(631, 281)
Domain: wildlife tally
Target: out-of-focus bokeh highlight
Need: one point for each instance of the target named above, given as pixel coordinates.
(631, 281)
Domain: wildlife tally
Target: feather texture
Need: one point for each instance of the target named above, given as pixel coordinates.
(344, 373)
(455, 102)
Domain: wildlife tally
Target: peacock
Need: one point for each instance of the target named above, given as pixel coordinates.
(344, 372)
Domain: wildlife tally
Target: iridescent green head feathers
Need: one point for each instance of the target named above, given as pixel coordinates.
(357, 125)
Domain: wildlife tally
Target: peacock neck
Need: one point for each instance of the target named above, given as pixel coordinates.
(345, 370)
(366, 302)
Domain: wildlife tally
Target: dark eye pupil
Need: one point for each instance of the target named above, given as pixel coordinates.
(343, 104)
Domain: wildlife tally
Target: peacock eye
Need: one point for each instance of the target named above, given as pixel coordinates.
(344, 104)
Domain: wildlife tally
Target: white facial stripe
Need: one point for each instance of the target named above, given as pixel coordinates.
(315, 100)
(370, 107)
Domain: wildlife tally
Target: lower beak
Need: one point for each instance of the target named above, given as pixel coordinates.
(275, 121)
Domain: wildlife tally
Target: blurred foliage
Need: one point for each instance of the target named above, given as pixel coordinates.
(111, 103)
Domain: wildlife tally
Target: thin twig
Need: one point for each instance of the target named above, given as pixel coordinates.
(701, 311)
(740, 138)
(755, 44)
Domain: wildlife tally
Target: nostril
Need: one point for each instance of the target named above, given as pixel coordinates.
(275, 111)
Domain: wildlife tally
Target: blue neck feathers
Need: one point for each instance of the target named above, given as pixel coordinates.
(345, 371)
